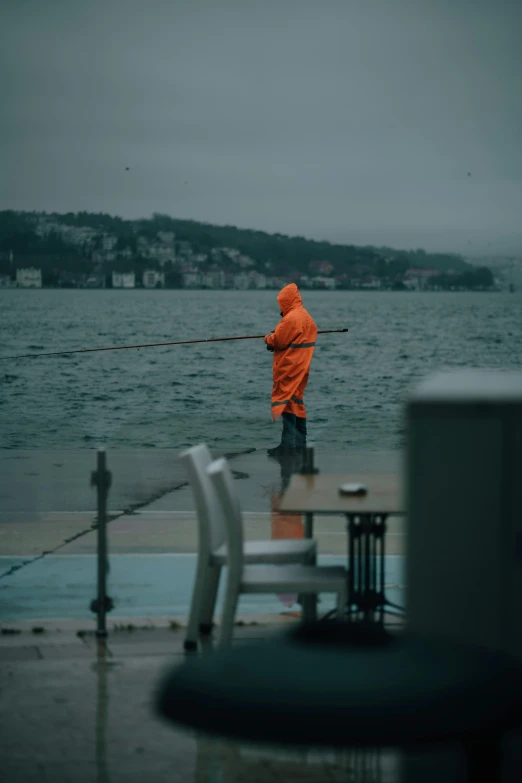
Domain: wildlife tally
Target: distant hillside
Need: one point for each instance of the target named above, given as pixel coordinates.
(275, 252)
(295, 253)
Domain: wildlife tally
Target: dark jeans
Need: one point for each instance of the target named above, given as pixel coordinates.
(294, 431)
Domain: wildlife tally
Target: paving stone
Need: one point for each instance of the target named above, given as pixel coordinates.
(20, 653)
(158, 649)
(66, 651)
(25, 772)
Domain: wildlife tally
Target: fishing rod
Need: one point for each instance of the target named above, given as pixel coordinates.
(152, 345)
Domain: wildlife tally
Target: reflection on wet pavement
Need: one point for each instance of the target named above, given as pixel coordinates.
(101, 667)
(74, 708)
(84, 712)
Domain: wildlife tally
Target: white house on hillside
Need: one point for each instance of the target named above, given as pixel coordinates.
(167, 237)
(109, 241)
(242, 281)
(251, 279)
(214, 279)
(153, 279)
(257, 280)
(123, 280)
(419, 279)
(371, 281)
(191, 279)
(245, 261)
(163, 252)
(29, 278)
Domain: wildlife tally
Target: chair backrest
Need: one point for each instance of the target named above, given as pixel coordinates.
(210, 516)
(221, 477)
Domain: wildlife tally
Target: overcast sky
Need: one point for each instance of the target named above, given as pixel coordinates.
(356, 121)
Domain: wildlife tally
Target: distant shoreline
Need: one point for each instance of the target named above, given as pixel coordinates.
(256, 290)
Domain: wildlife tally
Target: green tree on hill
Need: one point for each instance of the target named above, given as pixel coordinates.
(474, 278)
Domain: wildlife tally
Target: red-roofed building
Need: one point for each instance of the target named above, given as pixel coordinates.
(320, 267)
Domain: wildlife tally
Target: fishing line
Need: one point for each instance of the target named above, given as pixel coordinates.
(151, 345)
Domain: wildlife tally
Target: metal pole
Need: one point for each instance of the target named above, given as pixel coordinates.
(101, 478)
(351, 563)
(101, 630)
(382, 598)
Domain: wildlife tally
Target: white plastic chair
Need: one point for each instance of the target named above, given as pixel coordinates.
(212, 547)
(304, 579)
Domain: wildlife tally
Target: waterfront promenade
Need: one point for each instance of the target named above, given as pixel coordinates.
(48, 538)
(75, 709)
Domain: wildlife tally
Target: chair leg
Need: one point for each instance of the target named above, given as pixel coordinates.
(196, 605)
(312, 560)
(341, 604)
(209, 599)
(229, 615)
(309, 601)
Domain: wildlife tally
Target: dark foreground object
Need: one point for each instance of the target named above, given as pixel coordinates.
(348, 685)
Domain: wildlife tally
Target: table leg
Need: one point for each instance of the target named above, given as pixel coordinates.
(366, 534)
(352, 535)
(367, 581)
(309, 602)
(380, 538)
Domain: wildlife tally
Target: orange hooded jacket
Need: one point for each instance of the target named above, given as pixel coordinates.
(293, 342)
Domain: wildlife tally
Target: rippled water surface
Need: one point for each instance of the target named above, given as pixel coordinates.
(220, 392)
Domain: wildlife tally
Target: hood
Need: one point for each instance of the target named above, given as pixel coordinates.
(289, 298)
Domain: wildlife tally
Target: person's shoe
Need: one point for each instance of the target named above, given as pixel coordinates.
(281, 451)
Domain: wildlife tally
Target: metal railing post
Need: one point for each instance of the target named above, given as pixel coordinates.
(101, 479)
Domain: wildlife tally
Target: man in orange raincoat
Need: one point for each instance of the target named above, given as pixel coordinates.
(293, 343)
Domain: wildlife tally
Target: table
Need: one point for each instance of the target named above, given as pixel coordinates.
(366, 521)
(352, 685)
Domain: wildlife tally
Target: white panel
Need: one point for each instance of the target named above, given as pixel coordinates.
(464, 498)
(453, 545)
(470, 386)
(512, 564)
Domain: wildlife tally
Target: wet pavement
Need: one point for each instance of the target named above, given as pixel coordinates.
(48, 547)
(157, 585)
(35, 483)
(75, 709)
(60, 479)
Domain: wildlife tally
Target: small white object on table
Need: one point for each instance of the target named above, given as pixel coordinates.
(366, 516)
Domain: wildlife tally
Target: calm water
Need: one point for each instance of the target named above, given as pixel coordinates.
(220, 393)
